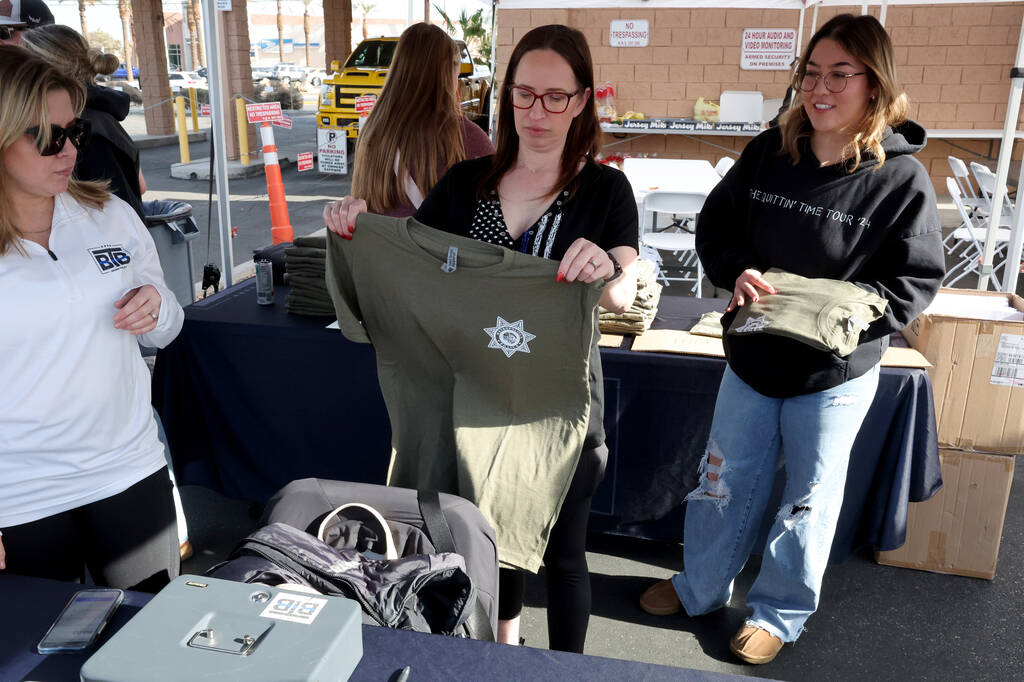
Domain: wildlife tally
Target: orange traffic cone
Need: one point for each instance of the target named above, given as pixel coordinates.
(280, 225)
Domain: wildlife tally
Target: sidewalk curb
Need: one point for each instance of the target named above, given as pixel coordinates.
(149, 141)
(199, 169)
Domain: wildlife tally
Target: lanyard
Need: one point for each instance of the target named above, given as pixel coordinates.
(525, 245)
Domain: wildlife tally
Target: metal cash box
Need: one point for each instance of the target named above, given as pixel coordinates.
(210, 629)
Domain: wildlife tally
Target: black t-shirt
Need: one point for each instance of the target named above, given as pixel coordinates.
(602, 209)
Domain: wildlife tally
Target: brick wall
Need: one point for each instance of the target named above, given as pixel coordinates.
(954, 62)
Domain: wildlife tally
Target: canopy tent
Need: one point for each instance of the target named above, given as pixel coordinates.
(1016, 246)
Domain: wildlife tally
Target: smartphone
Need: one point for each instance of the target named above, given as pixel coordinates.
(81, 621)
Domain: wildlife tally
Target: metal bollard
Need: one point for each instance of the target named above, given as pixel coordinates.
(193, 102)
(179, 111)
(243, 130)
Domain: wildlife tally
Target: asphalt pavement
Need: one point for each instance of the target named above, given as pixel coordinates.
(307, 192)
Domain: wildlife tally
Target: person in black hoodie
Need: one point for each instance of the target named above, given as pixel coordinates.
(110, 155)
(833, 193)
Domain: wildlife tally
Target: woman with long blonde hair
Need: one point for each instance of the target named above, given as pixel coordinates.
(833, 193)
(84, 478)
(111, 154)
(415, 131)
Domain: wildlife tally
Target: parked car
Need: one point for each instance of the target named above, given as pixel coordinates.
(364, 74)
(286, 73)
(183, 80)
(315, 76)
(122, 71)
(261, 72)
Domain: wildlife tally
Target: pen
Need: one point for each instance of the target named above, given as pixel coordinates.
(403, 674)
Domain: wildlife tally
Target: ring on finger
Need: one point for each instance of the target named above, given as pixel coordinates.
(593, 263)
(153, 315)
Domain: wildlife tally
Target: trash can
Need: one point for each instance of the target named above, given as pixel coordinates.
(172, 227)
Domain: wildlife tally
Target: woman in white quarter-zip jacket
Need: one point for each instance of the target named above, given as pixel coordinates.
(83, 481)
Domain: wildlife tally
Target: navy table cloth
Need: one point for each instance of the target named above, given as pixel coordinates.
(252, 397)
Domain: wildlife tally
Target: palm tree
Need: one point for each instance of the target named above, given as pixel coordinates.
(125, 9)
(365, 8)
(475, 32)
(195, 30)
(305, 26)
(449, 25)
(82, 4)
(281, 33)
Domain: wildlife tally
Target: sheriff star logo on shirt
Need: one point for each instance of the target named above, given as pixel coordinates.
(509, 337)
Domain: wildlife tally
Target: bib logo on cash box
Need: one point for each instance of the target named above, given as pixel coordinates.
(111, 258)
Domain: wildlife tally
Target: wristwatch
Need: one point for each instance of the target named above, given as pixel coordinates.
(615, 264)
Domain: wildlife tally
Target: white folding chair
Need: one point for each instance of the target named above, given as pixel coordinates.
(971, 236)
(673, 238)
(963, 181)
(986, 180)
(724, 164)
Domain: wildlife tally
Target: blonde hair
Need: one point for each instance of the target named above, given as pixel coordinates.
(866, 40)
(416, 119)
(25, 81)
(66, 49)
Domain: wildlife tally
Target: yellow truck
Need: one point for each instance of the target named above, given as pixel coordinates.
(363, 76)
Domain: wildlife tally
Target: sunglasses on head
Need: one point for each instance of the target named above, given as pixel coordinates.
(77, 133)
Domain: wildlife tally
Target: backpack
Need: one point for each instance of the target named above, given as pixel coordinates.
(435, 569)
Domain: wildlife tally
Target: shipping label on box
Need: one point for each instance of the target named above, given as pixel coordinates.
(1008, 367)
(958, 530)
(975, 375)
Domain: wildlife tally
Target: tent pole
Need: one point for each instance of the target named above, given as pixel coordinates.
(881, 14)
(800, 32)
(1002, 169)
(494, 65)
(1013, 249)
(220, 106)
(814, 19)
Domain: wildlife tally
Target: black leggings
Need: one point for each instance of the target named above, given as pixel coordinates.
(565, 562)
(128, 540)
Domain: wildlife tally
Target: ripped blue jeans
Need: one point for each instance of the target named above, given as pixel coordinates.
(814, 434)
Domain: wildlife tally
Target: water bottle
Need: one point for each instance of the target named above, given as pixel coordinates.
(264, 280)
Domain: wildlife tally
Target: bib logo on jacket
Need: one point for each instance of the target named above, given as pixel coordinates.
(509, 337)
(110, 258)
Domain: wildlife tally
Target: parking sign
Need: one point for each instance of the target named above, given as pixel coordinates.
(332, 150)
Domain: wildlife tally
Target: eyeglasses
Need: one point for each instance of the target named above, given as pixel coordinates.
(553, 102)
(7, 32)
(835, 81)
(77, 133)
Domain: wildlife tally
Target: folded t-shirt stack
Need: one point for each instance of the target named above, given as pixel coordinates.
(305, 270)
(641, 314)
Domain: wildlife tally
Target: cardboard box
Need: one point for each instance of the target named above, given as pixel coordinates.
(978, 369)
(958, 530)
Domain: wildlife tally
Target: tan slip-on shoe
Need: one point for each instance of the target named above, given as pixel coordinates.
(755, 645)
(661, 599)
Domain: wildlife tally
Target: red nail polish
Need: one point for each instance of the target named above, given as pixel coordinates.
(560, 277)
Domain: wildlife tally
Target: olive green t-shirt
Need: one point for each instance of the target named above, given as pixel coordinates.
(826, 314)
(483, 362)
